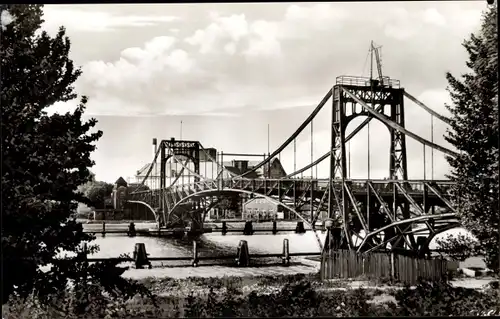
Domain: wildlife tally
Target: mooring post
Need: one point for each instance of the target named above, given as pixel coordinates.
(195, 254)
(103, 229)
(224, 228)
(275, 228)
(243, 256)
(248, 228)
(393, 277)
(141, 256)
(286, 252)
(131, 229)
(300, 228)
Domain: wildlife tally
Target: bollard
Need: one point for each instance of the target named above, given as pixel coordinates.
(275, 229)
(103, 229)
(224, 228)
(300, 228)
(393, 272)
(243, 257)
(141, 256)
(286, 253)
(131, 229)
(195, 254)
(248, 228)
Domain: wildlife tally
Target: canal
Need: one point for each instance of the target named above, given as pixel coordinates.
(210, 244)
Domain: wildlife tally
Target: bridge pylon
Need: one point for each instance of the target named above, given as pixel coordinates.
(387, 99)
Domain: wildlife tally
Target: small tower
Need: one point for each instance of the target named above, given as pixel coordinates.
(119, 193)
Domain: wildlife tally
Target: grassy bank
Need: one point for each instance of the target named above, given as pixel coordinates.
(267, 296)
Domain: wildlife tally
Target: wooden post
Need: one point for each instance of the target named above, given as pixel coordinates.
(300, 228)
(195, 254)
(224, 228)
(141, 256)
(131, 230)
(393, 274)
(103, 229)
(243, 256)
(275, 229)
(248, 230)
(286, 252)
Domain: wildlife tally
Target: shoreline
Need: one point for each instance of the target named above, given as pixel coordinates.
(264, 283)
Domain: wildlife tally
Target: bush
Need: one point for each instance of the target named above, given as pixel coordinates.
(297, 299)
(442, 299)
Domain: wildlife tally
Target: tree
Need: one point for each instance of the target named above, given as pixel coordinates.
(44, 160)
(458, 247)
(474, 132)
(96, 192)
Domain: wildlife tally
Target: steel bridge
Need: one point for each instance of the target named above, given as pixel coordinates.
(367, 214)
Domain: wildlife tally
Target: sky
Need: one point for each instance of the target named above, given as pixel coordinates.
(227, 71)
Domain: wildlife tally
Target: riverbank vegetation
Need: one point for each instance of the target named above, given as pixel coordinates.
(45, 159)
(474, 133)
(270, 296)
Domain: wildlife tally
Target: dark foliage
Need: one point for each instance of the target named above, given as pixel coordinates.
(442, 299)
(97, 192)
(294, 299)
(459, 247)
(474, 132)
(44, 160)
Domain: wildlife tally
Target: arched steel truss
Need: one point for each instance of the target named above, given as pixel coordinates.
(374, 207)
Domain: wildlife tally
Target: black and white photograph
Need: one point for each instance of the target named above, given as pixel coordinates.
(250, 159)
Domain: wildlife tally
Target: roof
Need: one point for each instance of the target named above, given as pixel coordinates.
(250, 163)
(121, 182)
(155, 171)
(237, 171)
(132, 187)
(254, 200)
(228, 164)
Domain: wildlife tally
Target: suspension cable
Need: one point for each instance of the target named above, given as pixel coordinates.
(177, 175)
(398, 127)
(294, 135)
(294, 155)
(349, 158)
(326, 155)
(222, 164)
(432, 149)
(312, 149)
(424, 163)
(368, 126)
(364, 65)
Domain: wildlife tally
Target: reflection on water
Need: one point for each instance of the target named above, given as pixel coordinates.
(208, 244)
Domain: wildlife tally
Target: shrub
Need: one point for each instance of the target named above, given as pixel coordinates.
(442, 299)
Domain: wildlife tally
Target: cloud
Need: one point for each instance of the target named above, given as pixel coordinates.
(6, 19)
(433, 16)
(95, 21)
(264, 40)
(241, 61)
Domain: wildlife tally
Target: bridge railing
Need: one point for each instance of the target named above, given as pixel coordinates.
(417, 185)
(442, 186)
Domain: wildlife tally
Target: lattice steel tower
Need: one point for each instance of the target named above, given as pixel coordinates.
(374, 98)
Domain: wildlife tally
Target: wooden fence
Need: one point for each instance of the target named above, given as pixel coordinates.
(349, 264)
